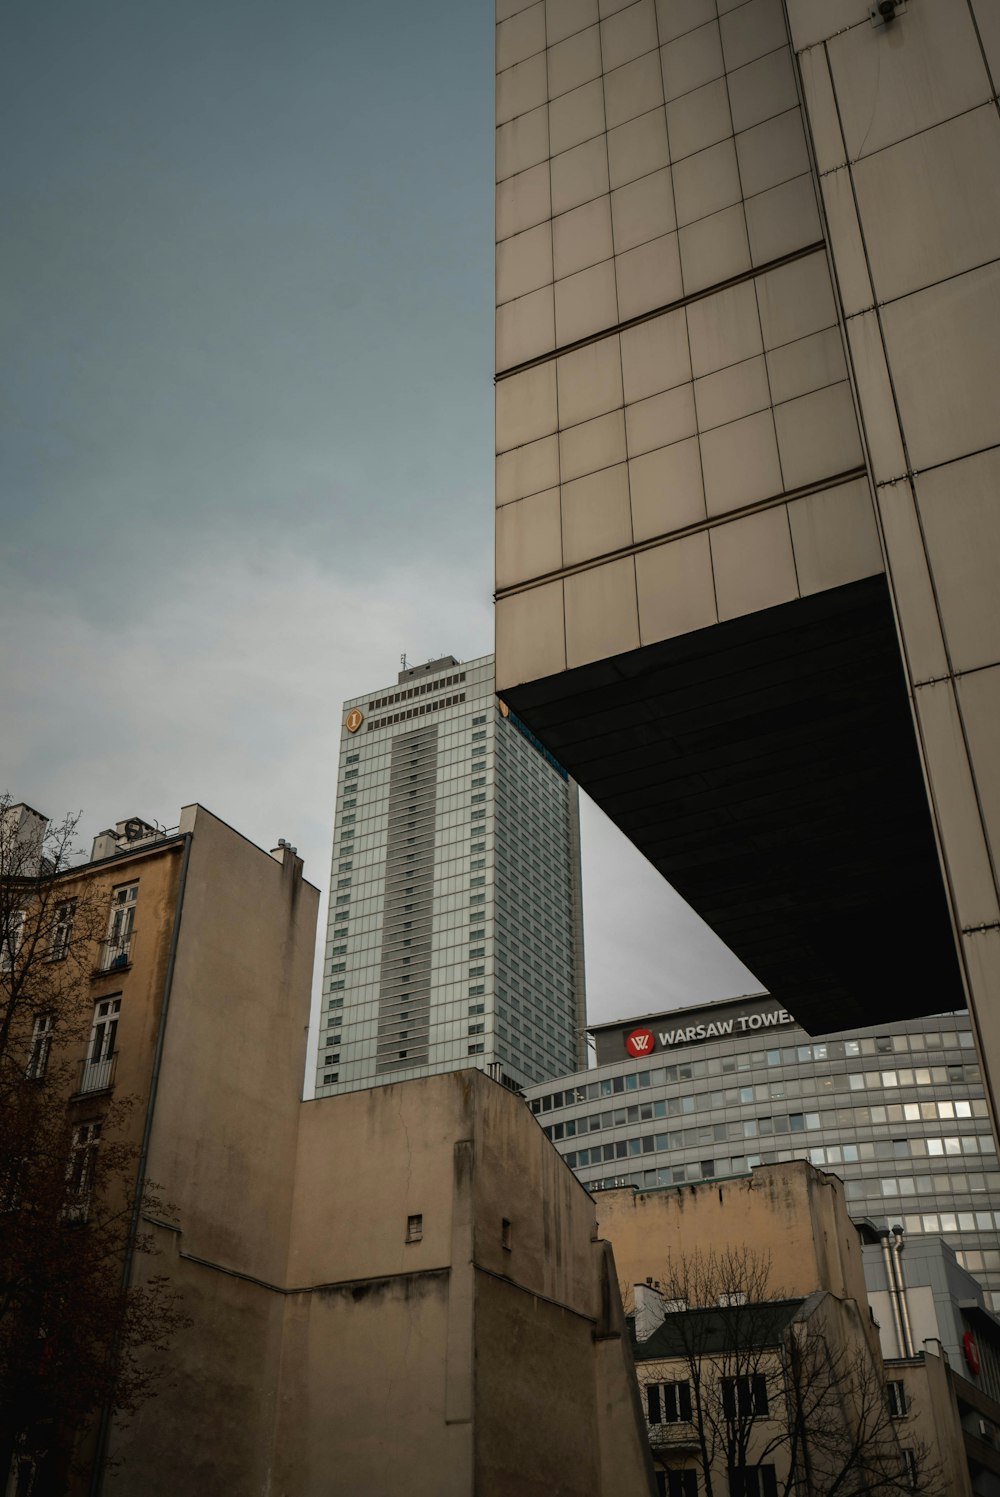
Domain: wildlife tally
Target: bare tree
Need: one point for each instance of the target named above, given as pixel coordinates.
(74, 1336)
(769, 1395)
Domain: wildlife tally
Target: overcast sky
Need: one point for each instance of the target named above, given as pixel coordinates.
(246, 418)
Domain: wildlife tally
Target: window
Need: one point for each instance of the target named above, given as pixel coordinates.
(41, 1044)
(98, 1067)
(505, 1234)
(80, 1169)
(117, 950)
(752, 1481)
(668, 1403)
(62, 929)
(677, 1483)
(911, 1469)
(414, 1228)
(896, 1394)
(475, 1049)
(10, 939)
(746, 1398)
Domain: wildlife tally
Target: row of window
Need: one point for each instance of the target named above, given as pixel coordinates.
(374, 724)
(693, 1070)
(437, 684)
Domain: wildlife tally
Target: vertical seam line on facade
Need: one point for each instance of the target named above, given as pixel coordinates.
(917, 724)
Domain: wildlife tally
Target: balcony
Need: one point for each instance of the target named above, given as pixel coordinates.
(115, 953)
(97, 1075)
(677, 1436)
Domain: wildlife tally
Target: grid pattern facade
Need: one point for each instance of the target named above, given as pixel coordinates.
(901, 1118)
(454, 936)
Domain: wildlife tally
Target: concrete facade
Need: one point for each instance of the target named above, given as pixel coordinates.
(901, 1116)
(437, 1255)
(747, 444)
(455, 934)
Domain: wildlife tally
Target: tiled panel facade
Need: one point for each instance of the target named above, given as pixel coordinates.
(906, 133)
(672, 393)
(748, 349)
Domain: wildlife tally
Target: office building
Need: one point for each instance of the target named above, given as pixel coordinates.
(455, 932)
(748, 344)
(710, 1092)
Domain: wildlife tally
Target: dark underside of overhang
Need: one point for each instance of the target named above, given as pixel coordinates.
(767, 767)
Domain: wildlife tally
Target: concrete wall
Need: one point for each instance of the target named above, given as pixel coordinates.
(472, 1350)
(339, 1349)
(792, 1214)
(222, 1151)
(932, 1424)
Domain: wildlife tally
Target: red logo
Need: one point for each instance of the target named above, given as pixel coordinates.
(640, 1042)
(971, 1351)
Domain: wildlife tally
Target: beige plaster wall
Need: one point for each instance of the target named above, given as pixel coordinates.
(222, 1154)
(791, 1213)
(456, 1334)
(227, 1108)
(932, 1420)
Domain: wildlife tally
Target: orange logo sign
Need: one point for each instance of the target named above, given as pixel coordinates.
(354, 719)
(504, 709)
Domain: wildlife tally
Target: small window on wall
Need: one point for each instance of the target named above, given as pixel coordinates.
(505, 1234)
(414, 1228)
(41, 1044)
(117, 949)
(62, 930)
(896, 1395)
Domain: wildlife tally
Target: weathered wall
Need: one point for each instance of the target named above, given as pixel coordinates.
(222, 1153)
(932, 1425)
(446, 1347)
(792, 1214)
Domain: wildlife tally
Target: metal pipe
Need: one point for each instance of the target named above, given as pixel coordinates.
(890, 1279)
(901, 1289)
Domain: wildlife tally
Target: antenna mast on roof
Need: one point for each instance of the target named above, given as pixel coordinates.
(402, 661)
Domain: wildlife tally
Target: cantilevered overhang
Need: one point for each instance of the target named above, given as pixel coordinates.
(767, 767)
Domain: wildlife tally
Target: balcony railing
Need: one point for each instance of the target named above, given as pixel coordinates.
(97, 1075)
(115, 952)
(679, 1435)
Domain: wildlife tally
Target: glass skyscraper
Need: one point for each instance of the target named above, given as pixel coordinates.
(455, 930)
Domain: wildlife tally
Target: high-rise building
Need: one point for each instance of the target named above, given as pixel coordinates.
(748, 287)
(455, 931)
(710, 1092)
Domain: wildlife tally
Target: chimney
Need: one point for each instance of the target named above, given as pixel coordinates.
(24, 837)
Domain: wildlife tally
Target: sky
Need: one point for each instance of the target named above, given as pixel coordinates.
(246, 419)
